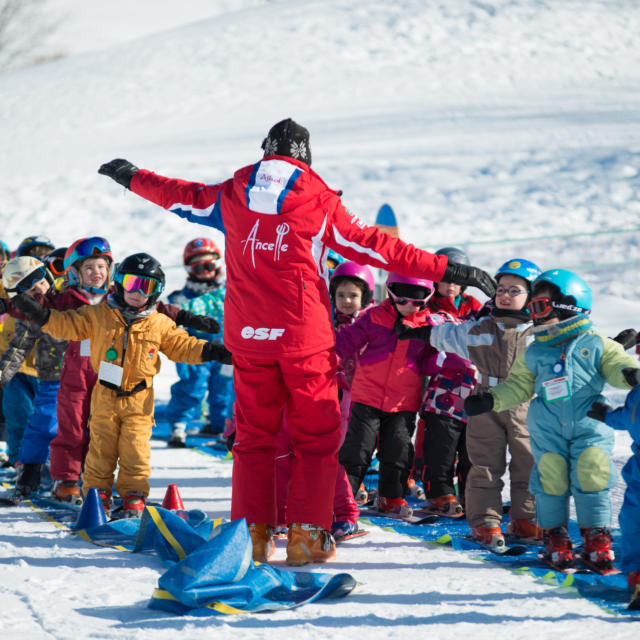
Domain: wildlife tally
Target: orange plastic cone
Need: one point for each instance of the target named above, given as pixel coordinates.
(172, 500)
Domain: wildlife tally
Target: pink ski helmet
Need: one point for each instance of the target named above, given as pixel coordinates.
(357, 271)
(407, 283)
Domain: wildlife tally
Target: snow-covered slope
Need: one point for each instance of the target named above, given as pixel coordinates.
(475, 120)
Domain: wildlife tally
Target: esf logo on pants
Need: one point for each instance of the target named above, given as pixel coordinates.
(262, 333)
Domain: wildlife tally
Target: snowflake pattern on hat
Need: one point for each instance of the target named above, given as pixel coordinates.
(270, 147)
(298, 150)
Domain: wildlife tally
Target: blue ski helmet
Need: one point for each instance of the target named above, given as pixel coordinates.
(30, 242)
(520, 267)
(454, 254)
(573, 293)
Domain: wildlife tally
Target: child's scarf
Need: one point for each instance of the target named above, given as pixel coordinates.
(552, 334)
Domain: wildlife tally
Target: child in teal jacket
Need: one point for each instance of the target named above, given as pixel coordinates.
(566, 367)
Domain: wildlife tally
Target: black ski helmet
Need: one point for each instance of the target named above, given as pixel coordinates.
(139, 264)
(454, 254)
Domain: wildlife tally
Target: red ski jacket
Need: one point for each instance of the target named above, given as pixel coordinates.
(280, 220)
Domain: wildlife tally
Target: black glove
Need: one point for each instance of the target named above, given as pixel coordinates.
(464, 274)
(119, 170)
(598, 411)
(4, 305)
(31, 308)
(217, 352)
(407, 333)
(632, 376)
(627, 338)
(199, 323)
(479, 403)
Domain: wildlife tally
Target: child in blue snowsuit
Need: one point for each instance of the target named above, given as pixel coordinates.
(566, 367)
(628, 418)
(204, 290)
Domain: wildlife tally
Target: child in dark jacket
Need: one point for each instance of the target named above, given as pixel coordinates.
(441, 450)
(387, 387)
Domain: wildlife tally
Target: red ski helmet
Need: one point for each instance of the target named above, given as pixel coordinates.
(197, 247)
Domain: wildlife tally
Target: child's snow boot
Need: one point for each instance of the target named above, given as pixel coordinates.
(633, 580)
(362, 496)
(446, 505)
(262, 541)
(524, 528)
(27, 480)
(133, 505)
(557, 545)
(67, 491)
(178, 437)
(597, 547)
(309, 543)
(414, 489)
(397, 506)
(489, 534)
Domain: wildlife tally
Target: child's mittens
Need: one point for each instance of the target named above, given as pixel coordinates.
(216, 352)
(627, 338)
(408, 333)
(479, 403)
(31, 308)
(598, 411)
(198, 323)
(632, 376)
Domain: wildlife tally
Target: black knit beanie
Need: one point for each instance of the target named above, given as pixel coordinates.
(288, 138)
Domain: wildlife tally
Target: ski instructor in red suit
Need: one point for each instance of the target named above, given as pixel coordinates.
(280, 219)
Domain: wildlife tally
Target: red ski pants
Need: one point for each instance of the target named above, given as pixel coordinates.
(307, 389)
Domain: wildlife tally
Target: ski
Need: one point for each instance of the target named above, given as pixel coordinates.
(8, 499)
(442, 514)
(603, 571)
(413, 519)
(561, 569)
(500, 550)
(350, 536)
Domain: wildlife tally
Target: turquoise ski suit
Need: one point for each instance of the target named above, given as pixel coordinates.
(572, 452)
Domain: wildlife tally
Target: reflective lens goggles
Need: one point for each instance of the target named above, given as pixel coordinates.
(92, 247)
(415, 302)
(512, 292)
(204, 267)
(132, 284)
(331, 263)
(30, 280)
(540, 308)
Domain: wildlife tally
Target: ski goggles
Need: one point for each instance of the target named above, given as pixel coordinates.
(30, 280)
(210, 266)
(416, 302)
(142, 284)
(56, 265)
(540, 308)
(88, 248)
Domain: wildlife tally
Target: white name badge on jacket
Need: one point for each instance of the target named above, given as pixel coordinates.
(110, 373)
(85, 347)
(556, 389)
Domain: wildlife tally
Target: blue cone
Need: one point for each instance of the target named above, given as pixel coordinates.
(92, 514)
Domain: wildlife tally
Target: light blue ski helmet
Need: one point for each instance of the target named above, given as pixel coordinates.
(576, 293)
(521, 268)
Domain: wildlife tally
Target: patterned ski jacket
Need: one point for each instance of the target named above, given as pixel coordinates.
(466, 309)
(48, 352)
(280, 220)
(389, 372)
(491, 343)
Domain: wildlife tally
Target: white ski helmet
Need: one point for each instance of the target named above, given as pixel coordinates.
(20, 274)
